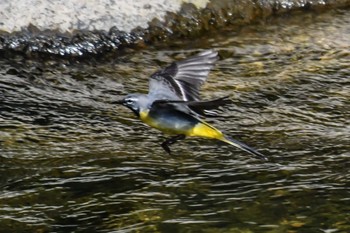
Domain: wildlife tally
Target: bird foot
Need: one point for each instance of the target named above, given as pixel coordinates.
(165, 145)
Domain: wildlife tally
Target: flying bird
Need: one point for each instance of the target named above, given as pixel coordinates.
(173, 104)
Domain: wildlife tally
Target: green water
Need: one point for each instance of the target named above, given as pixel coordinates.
(70, 161)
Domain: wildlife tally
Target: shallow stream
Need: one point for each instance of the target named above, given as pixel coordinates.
(70, 161)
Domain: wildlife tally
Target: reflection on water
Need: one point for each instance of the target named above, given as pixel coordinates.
(71, 161)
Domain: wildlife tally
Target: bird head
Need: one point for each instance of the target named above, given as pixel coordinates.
(131, 101)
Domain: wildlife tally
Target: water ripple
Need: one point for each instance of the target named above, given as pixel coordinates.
(70, 161)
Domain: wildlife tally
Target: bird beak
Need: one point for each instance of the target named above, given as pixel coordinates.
(118, 102)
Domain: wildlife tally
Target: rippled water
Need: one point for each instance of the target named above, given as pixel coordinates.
(71, 161)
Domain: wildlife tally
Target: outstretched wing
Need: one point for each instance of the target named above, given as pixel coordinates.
(202, 108)
(183, 79)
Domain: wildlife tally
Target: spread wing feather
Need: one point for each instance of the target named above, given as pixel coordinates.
(182, 80)
(202, 108)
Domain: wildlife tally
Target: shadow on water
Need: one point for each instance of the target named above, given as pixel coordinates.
(71, 161)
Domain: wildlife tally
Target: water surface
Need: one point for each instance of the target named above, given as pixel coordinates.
(70, 161)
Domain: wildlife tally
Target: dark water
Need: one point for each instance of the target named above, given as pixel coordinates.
(70, 161)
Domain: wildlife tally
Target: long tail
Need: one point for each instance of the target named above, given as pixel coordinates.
(244, 147)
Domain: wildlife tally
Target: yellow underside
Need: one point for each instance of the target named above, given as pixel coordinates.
(144, 117)
(205, 130)
(151, 122)
(201, 129)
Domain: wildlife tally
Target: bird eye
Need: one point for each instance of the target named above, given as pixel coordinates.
(129, 101)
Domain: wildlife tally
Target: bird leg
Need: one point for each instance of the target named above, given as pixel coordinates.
(171, 141)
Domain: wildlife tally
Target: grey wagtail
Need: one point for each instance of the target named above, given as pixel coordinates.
(173, 105)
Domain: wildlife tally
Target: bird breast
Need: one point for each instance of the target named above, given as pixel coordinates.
(171, 122)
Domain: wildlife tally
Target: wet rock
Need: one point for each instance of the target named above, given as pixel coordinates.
(100, 30)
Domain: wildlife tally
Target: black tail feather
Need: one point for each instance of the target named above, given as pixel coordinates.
(244, 147)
